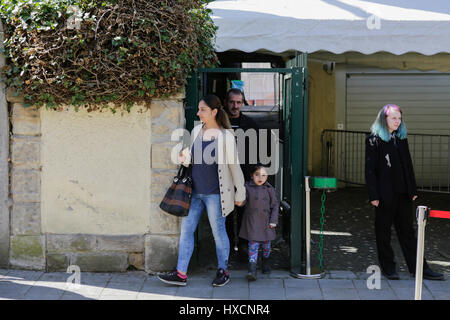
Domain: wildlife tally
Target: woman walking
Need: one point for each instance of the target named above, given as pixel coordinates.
(218, 185)
(392, 189)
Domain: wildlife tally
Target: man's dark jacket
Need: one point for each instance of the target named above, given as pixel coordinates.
(379, 168)
(245, 122)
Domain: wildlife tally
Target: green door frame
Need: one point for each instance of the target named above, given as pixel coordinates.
(297, 164)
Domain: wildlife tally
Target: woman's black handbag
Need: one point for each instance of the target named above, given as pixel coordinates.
(177, 200)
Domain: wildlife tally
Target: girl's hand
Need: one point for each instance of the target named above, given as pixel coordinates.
(414, 198)
(272, 226)
(239, 203)
(375, 203)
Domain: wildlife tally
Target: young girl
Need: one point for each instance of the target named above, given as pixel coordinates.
(259, 220)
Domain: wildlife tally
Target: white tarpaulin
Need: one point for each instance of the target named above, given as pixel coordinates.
(337, 26)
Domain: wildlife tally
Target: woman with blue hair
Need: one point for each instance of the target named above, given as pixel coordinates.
(392, 189)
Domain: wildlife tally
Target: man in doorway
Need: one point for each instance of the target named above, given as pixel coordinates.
(234, 101)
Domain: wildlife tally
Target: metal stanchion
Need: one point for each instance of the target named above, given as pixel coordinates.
(421, 215)
(308, 274)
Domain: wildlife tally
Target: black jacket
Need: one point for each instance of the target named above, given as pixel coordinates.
(380, 169)
(245, 122)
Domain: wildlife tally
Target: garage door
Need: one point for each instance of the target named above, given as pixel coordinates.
(425, 101)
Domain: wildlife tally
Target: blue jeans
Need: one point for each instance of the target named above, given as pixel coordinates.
(189, 225)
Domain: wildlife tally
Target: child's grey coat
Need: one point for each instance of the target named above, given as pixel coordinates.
(261, 209)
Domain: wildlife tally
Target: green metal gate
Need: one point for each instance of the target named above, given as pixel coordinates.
(293, 136)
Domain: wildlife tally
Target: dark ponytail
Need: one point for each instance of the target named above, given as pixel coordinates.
(213, 102)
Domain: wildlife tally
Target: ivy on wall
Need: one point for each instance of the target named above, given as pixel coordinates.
(92, 52)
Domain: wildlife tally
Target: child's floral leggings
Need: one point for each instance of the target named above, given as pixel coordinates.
(253, 247)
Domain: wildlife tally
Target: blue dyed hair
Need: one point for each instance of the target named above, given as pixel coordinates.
(380, 127)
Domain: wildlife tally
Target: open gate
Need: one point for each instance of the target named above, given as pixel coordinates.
(293, 112)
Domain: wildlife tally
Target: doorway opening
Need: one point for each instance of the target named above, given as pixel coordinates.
(276, 99)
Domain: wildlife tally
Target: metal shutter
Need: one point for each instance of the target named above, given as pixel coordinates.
(425, 101)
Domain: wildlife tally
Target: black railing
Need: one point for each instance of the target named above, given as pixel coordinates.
(343, 157)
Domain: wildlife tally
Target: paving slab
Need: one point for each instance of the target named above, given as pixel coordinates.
(301, 283)
(293, 293)
(43, 293)
(128, 286)
(441, 295)
(95, 277)
(205, 292)
(122, 296)
(71, 296)
(24, 275)
(401, 283)
(235, 293)
(376, 294)
(13, 288)
(262, 284)
(154, 296)
(333, 293)
(267, 293)
(336, 283)
(139, 277)
(437, 285)
(340, 274)
(404, 293)
(83, 291)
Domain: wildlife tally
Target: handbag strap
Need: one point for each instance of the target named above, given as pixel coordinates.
(184, 171)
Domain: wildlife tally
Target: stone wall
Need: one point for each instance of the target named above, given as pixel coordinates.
(4, 170)
(31, 247)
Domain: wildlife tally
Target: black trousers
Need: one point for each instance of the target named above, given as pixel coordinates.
(400, 214)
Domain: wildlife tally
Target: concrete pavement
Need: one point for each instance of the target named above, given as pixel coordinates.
(279, 285)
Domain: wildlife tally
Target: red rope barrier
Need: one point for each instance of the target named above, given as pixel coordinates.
(440, 214)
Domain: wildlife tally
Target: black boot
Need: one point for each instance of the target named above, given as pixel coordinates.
(251, 275)
(265, 265)
(429, 274)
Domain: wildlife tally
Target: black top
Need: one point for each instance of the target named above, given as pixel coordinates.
(205, 178)
(398, 170)
(388, 169)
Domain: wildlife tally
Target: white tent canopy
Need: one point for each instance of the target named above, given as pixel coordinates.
(336, 26)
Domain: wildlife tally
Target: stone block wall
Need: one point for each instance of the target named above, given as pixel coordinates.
(162, 241)
(31, 248)
(27, 244)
